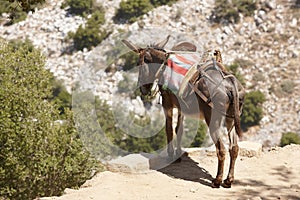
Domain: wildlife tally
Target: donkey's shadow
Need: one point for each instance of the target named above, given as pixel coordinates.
(187, 169)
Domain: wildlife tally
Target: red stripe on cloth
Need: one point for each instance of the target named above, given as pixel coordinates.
(176, 68)
(184, 60)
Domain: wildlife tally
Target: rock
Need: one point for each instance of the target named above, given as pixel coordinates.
(250, 149)
(256, 198)
(69, 190)
(271, 4)
(130, 164)
(293, 23)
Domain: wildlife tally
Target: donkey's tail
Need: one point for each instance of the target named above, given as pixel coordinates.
(237, 119)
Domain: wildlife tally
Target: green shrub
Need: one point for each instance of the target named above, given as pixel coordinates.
(125, 85)
(201, 135)
(112, 133)
(122, 140)
(289, 138)
(39, 155)
(157, 3)
(5, 7)
(130, 59)
(90, 35)
(226, 11)
(287, 86)
(18, 10)
(190, 139)
(79, 7)
(252, 110)
(130, 10)
(60, 96)
(26, 45)
(234, 69)
(28, 5)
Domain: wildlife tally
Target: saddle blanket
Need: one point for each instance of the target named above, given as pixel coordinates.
(178, 67)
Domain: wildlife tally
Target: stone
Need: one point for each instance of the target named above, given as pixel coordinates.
(131, 163)
(271, 4)
(293, 23)
(250, 149)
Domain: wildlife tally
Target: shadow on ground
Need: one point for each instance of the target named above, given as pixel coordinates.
(189, 170)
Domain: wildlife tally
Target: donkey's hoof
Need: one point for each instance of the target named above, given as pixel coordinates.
(216, 183)
(227, 183)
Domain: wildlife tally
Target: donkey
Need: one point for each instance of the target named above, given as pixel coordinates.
(224, 102)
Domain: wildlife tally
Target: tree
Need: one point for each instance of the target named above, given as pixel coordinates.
(39, 155)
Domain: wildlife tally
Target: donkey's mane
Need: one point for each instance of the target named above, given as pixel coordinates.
(154, 46)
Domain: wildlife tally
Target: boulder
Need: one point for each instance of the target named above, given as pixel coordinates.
(132, 163)
(250, 149)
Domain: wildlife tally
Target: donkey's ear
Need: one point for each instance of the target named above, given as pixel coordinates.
(163, 43)
(131, 46)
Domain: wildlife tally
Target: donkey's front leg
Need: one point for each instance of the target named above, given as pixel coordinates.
(179, 132)
(169, 132)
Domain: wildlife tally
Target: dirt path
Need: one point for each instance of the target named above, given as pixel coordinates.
(273, 175)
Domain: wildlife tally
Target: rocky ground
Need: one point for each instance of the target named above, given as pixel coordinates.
(267, 44)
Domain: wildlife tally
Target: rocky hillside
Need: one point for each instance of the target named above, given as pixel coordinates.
(268, 45)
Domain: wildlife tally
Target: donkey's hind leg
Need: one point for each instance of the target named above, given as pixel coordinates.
(215, 133)
(233, 152)
(221, 151)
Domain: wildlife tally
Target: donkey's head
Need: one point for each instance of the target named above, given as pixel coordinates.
(150, 59)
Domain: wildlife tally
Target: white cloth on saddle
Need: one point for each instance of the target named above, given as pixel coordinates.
(179, 70)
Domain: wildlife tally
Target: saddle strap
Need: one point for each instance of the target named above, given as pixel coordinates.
(203, 97)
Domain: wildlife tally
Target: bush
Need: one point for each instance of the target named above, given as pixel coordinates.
(90, 35)
(252, 110)
(124, 141)
(285, 88)
(112, 133)
(157, 3)
(289, 138)
(130, 10)
(125, 86)
(201, 135)
(130, 59)
(234, 69)
(18, 9)
(189, 138)
(28, 5)
(228, 11)
(60, 96)
(79, 7)
(39, 155)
